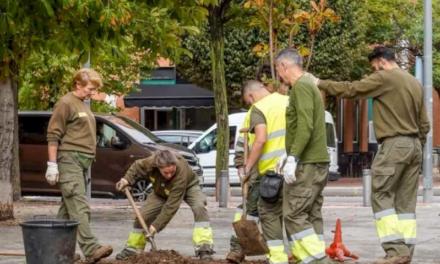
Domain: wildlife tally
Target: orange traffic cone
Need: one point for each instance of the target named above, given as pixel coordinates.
(337, 249)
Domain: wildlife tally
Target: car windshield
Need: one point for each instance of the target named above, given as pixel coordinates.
(138, 132)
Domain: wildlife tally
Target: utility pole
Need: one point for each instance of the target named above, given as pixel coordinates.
(427, 82)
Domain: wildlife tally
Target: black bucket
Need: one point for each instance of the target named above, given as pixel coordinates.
(49, 241)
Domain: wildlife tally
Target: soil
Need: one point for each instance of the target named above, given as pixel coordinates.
(168, 257)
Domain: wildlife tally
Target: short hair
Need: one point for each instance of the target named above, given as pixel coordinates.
(85, 75)
(164, 158)
(252, 85)
(291, 55)
(382, 52)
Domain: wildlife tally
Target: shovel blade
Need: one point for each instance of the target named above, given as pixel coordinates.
(250, 238)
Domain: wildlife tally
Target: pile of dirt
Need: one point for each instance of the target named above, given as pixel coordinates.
(168, 257)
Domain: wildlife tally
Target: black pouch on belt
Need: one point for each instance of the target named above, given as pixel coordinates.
(271, 186)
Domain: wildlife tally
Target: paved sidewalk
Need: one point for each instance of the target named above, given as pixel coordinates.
(112, 220)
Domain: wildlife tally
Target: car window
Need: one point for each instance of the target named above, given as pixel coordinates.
(128, 128)
(330, 135)
(104, 135)
(171, 139)
(141, 129)
(209, 142)
(33, 129)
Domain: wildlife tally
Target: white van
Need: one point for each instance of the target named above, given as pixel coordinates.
(205, 148)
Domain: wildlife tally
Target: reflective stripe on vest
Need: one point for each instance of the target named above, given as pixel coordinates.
(202, 234)
(408, 227)
(307, 246)
(273, 108)
(277, 254)
(387, 224)
(136, 239)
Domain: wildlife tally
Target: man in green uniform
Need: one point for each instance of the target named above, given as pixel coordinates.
(173, 181)
(305, 168)
(71, 136)
(400, 125)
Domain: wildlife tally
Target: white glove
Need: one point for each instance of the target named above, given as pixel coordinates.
(52, 174)
(152, 231)
(121, 184)
(289, 169)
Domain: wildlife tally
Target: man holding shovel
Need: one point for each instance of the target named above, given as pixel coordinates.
(173, 181)
(266, 123)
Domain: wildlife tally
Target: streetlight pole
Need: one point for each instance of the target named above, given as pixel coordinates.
(427, 82)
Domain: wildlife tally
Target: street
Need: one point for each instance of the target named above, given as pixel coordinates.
(112, 220)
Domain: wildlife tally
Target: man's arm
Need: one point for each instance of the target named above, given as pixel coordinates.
(302, 94)
(369, 87)
(174, 200)
(137, 170)
(56, 129)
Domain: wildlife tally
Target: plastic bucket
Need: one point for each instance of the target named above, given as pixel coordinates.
(49, 241)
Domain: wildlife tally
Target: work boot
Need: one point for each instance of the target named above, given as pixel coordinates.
(394, 260)
(127, 252)
(204, 252)
(235, 257)
(99, 253)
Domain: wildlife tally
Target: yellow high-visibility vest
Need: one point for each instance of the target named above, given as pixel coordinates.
(273, 108)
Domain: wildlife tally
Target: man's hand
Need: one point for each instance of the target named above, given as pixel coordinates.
(52, 174)
(289, 169)
(152, 231)
(240, 171)
(122, 184)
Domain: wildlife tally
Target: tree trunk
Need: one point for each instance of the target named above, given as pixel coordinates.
(312, 47)
(219, 87)
(7, 130)
(15, 170)
(271, 41)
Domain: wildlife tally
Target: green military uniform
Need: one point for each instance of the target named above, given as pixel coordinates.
(306, 140)
(163, 203)
(401, 125)
(72, 128)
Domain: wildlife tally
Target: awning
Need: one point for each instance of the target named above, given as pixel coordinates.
(171, 95)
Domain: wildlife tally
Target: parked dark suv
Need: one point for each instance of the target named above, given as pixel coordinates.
(120, 141)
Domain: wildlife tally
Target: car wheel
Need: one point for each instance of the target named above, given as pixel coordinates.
(141, 189)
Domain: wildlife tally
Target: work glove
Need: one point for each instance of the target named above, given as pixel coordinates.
(122, 184)
(240, 171)
(152, 231)
(289, 168)
(52, 174)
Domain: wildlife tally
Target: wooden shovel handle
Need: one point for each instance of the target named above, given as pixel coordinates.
(140, 218)
(245, 177)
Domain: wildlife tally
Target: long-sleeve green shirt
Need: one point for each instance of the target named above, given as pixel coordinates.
(305, 123)
(72, 126)
(398, 107)
(173, 191)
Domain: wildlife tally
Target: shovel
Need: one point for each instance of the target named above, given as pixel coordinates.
(248, 234)
(141, 220)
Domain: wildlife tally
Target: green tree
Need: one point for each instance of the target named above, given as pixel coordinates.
(70, 31)
(241, 63)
